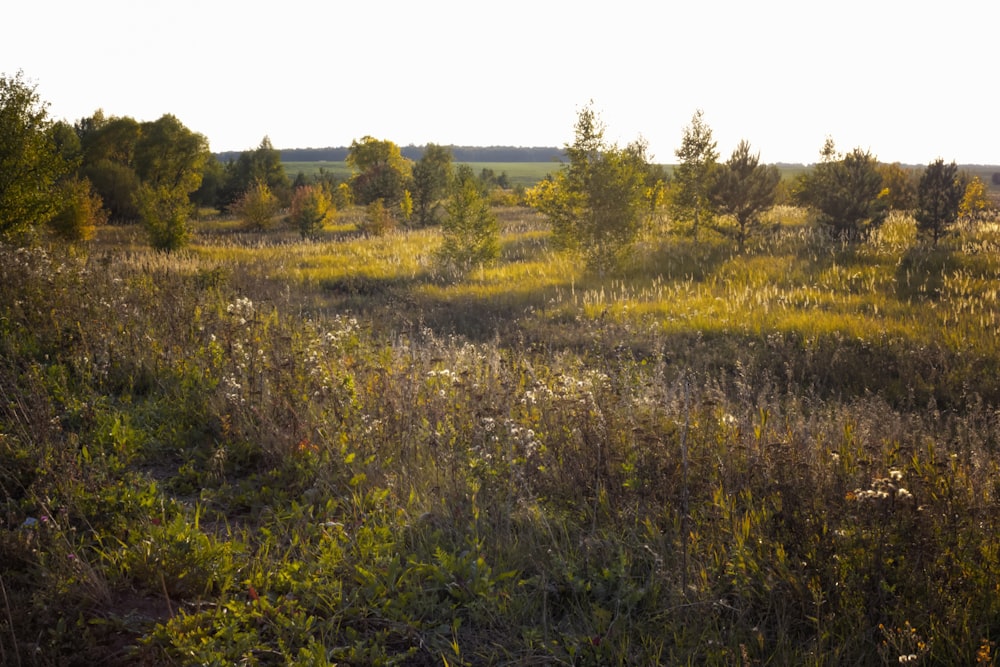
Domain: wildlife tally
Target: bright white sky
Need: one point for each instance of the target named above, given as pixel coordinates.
(910, 81)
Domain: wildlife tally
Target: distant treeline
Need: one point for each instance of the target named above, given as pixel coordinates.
(459, 154)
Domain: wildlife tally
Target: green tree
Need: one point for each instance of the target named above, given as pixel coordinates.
(939, 196)
(693, 176)
(261, 164)
(743, 188)
(164, 212)
(846, 191)
(379, 171)
(257, 207)
(471, 230)
(901, 185)
(169, 159)
(108, 146)
(30, 161)
(432, 175)
(311, 209)
(170, 155)
(378, 219)
(597, 202)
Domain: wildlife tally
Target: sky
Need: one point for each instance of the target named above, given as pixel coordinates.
(910, 82)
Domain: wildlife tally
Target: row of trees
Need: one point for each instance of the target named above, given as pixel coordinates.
(604, 195)
(76, 176)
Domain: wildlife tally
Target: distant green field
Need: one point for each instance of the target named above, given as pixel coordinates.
(519, 173)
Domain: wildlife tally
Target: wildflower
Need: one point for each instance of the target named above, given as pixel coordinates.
(895, 474)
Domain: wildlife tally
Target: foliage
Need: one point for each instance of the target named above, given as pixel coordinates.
(378, 219)
(81, 213)
(432, 175)
(692, 178)
(470, 229)
(311, 209)
(939, 196)
(788, 456)
(743, 188)
(596, 203)
(30, 160)
(975, 204)
(257, 207)
(901, 184)
(379, 171)
(262, 164)
(846, 191)
(164, 213)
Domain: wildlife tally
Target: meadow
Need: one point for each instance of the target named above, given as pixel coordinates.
(262, 450)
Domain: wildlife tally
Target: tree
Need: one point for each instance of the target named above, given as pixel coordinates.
(311, 209)
(257, 207)
(975, 204)
(693, 175)
(164, 212)
(169, 159)
(81, 213)
(846, 191)
(471, 231)
(939, 195)
(108, 146)
(170, 155)
(901, 186)
(30, 161)
(597, 201)
(379, 171)
(744, 188)
(431, 179)
(261, 164)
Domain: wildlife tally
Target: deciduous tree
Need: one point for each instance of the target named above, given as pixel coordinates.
(311, 209)
(432, 175)
(939, 195)
(30, 161)
(743, 188)
(257, 207)
(81, 211)
(901, 185)
(693, 175)
(975, 203)
(379, 171)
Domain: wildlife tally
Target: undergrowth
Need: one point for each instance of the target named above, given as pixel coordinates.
(267, 451)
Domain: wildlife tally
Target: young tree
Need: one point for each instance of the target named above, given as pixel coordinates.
(975, 204)
(846, 191)
(378, 219)
(312, 208)
(939, 195)
(261, 164)
(471, 231)
(257, 207)
(380, 171)
(901, 185)
(744, 188)
(597, 202)
(693, 175)
(164, 212)
(81, 213)
(431, 179)
(30, 162)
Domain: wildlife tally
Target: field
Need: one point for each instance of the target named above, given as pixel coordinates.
(268, 451)
(519, 173)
